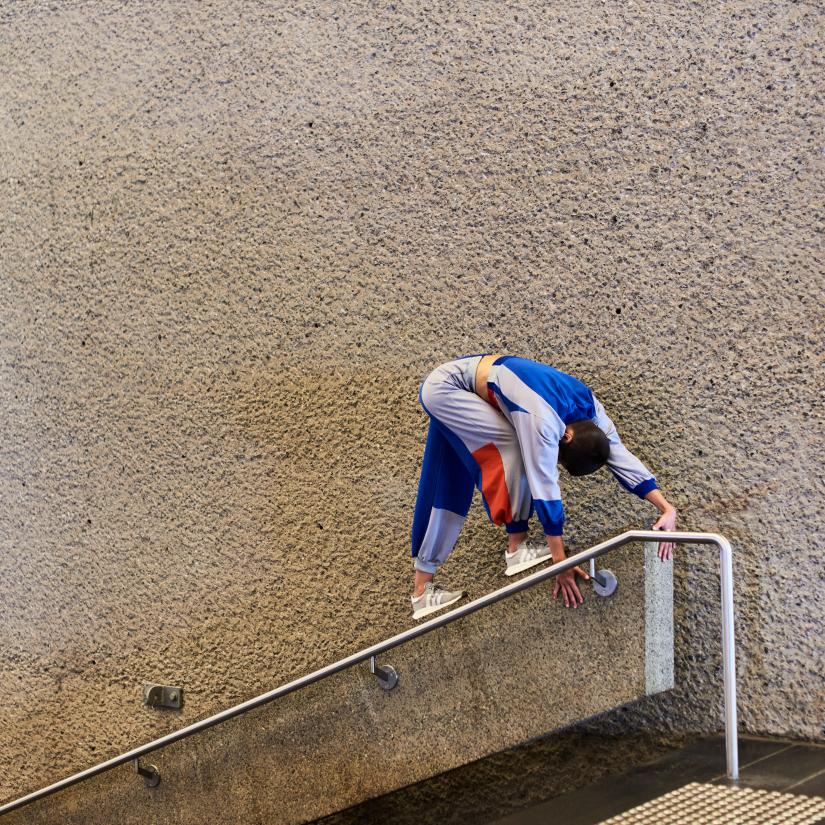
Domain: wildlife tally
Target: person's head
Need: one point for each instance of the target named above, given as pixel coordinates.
(583, 448)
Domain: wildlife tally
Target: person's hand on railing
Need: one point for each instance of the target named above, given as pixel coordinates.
(566, 584)
(667, 521)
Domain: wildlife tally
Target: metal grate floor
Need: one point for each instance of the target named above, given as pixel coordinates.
(702, 804)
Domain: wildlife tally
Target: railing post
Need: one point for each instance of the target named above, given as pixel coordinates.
(729, 657)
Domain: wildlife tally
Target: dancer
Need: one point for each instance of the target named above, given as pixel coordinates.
(503, 423)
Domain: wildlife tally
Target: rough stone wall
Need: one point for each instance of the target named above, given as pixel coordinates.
(469, 690)
(236, 236)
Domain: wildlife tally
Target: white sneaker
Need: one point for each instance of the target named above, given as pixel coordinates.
(433, 598)
(525, 556)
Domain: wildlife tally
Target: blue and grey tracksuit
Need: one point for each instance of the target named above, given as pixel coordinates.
(506, 446)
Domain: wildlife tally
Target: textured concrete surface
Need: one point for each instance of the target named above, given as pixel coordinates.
(509, 673)
(235, 237)
(659, 674)
(510, 780)
(532, 783)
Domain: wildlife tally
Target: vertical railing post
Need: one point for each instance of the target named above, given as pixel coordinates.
(729, 657)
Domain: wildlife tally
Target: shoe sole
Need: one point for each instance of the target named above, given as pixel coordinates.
(524, 565)
(425, 611)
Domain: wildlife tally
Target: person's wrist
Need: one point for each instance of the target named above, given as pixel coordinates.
(556, 545)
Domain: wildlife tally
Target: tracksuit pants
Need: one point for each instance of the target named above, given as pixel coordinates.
(469, 444)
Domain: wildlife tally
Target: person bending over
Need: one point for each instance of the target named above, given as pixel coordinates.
(503, 424)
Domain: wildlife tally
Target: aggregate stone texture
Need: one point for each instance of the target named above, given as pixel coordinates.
(235, 237)
(513, 780)
(473, 688)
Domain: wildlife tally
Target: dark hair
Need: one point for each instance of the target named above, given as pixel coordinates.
(586, 451)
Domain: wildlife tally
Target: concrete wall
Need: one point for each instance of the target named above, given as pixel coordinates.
(506, 674)
(234, 239)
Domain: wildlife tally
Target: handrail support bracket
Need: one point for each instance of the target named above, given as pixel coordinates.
(150, 773)
(386, 674)
(604, 582)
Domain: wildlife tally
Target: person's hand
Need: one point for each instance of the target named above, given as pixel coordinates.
(667, 521)
(566, 583)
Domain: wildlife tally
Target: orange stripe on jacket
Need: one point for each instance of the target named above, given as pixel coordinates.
(494, 483)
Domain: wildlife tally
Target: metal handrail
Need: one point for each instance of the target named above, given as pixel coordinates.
(726, 576)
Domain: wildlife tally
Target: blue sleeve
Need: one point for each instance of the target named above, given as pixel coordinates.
(626, 468)
(551, 516)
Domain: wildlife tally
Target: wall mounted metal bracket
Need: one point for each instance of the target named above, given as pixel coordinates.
(604, 582)
(162, 696)
(386, 674)
(150, 774)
